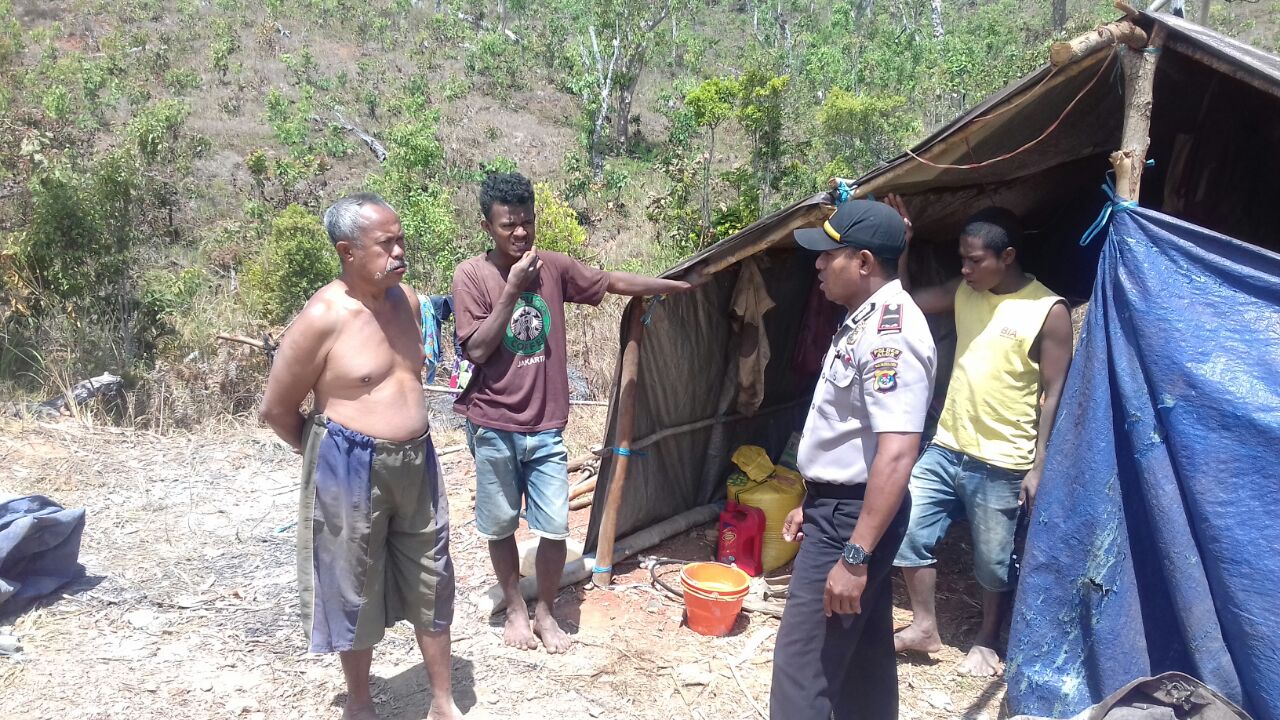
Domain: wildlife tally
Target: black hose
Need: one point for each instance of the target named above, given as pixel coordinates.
(653, 574)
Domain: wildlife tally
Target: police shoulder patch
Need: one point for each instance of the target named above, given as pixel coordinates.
(890, 319)
(885, 379)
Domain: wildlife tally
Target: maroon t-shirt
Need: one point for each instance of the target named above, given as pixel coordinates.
(524, 385)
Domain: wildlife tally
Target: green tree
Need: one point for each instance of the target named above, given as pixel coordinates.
(864, 129)
(760, 111)
(711, 103)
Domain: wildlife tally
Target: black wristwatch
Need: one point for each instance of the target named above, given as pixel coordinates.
(855, 555)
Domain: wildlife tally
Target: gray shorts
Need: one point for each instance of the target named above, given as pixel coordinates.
(373, 538)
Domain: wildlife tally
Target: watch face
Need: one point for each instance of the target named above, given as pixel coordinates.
(854, 555)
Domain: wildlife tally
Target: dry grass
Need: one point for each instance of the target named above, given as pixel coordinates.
(189, 607)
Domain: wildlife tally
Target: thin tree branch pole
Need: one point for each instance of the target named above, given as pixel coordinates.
(1139, 77)
(457, 391)
(602, 573)
(226, 337)
(1103, 36)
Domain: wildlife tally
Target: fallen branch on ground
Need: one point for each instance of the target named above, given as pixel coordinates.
(379, 151)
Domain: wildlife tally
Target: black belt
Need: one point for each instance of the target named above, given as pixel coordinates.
(832, 491)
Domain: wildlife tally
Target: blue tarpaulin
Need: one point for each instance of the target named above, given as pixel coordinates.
(1155, 541)
(39, 550)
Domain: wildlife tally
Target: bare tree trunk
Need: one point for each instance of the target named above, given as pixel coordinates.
(606, 85)
(622, 123)
(706, 184)
(1202, 13)
(1059, 15)
(938, 29)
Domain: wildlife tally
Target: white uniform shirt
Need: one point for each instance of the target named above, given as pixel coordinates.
(877, 377)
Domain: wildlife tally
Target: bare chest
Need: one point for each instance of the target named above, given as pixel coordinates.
(373, 348)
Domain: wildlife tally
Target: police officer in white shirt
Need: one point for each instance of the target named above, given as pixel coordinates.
(834, 653)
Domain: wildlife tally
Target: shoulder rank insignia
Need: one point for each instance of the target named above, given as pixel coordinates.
(862, 313)
(890, 319)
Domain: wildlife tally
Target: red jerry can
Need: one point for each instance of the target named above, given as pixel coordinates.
(741, 536)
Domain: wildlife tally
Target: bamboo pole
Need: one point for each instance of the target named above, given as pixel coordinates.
(602, 573)
(1101, 37)
(708, 422)
(1139, 77)
(582, 488)
(458, 391)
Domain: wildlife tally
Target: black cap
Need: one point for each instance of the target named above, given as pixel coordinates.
(861, 224)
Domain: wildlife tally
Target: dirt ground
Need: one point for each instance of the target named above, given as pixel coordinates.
(188, 608)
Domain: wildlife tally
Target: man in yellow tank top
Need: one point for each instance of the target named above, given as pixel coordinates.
(1013, 347)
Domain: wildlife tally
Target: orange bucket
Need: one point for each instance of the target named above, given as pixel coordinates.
(713, 594)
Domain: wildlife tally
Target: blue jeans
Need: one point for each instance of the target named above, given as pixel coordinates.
(947, 485)
(514, 468)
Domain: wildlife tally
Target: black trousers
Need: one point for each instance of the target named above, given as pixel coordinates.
(843, 666)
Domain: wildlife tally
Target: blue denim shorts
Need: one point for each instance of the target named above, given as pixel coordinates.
(947, 485)
(515, 469)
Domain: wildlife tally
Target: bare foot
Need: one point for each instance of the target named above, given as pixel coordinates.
(553, 638)
(359, 712)
(913, 639)
(981, 662)
(444, 710)
(517, 632)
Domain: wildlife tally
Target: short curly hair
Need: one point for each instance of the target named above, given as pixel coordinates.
(998, 228)
(506, 188)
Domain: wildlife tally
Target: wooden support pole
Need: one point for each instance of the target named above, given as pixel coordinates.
(1139, 77)
(602, 573)
(1104, 36)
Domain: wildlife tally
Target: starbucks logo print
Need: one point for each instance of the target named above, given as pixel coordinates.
(526, 323)
(530, 323)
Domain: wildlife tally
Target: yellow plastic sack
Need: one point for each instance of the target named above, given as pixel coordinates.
(737, 483)
(754, 461)
(777, 496)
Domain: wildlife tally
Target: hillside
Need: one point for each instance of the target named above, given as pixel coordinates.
(168, 159)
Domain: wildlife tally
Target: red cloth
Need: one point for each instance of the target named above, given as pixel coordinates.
(821, 318)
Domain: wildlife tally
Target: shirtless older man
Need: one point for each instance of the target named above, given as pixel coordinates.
(373, 521)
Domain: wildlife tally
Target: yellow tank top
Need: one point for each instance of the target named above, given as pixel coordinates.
(992, 410)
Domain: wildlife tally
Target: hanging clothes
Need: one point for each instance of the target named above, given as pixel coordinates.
(436, 309)
(750, 302)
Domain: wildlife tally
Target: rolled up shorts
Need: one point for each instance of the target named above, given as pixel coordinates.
(515, 469)
(947, 485)
(373, 538)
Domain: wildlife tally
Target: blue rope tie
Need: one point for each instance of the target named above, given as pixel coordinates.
(625, 452)
(648, 313)
(842, 192)
(597, 569)
(1114, 204)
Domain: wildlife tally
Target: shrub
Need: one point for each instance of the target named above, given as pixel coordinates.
(558, 229)
(156, 127)
(296, 260)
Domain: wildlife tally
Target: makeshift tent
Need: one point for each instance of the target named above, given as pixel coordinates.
(1041, 147)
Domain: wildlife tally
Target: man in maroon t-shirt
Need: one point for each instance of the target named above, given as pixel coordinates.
(509, 310)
